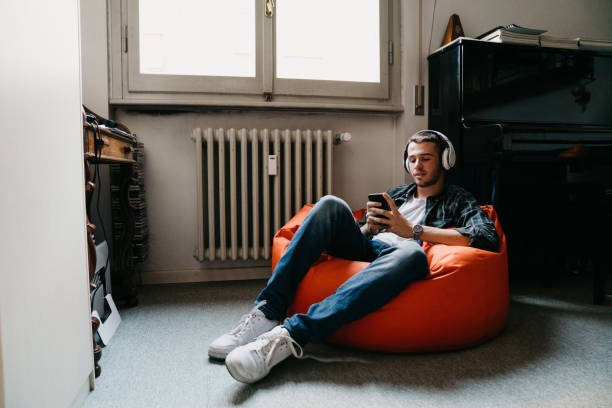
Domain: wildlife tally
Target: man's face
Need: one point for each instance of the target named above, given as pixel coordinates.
(424, 162)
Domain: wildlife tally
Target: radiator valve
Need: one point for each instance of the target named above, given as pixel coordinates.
(342, 137)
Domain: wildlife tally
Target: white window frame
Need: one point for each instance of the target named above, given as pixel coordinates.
(129, 87)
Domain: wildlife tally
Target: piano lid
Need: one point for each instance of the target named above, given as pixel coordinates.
(504, 83)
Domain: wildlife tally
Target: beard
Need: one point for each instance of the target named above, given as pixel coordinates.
(430, 181)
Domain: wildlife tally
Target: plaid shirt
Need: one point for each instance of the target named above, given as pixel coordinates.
(453, 207)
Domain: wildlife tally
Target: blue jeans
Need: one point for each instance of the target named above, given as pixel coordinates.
(331, 227)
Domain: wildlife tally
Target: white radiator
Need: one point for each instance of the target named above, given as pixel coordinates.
(251, 182)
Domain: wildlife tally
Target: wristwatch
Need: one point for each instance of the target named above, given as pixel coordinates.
(416, 230)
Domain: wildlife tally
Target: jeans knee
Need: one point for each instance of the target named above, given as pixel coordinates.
(414, 261)
(330, 203)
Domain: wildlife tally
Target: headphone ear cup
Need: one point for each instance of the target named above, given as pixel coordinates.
(450, 157)
(406, 164)
(445, 161)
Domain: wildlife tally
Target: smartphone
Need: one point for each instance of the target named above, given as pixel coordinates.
(378, 197)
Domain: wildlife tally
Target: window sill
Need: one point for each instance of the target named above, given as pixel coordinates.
(256, 103)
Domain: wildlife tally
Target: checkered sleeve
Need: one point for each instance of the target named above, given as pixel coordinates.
(475, 224)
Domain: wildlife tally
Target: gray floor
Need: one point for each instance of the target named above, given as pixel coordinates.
(556, 351)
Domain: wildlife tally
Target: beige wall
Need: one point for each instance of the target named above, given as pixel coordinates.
(94, 55)
(360, 167)
(2, 398)
(370, 162)
(94, 67)
(571, 18)
(45, 331)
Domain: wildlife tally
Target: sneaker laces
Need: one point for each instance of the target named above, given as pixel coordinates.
(275, 341)
(246, 319)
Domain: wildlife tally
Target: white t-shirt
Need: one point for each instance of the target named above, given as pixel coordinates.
(414, 211)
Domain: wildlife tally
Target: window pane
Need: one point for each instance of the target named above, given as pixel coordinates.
(197, 37)
(335, 40)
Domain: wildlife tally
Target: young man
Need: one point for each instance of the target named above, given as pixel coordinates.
(420, 211)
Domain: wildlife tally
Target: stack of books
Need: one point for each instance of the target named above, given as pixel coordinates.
(513, 34)
(559, 42)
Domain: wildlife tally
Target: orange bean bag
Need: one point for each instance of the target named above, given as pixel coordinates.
(462, 302)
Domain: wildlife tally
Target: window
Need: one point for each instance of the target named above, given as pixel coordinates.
(283, 53)
(172, 37)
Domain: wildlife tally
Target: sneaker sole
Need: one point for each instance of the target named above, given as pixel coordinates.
(217, 354)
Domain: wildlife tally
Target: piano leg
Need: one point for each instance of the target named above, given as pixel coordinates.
(601, 264)
(599, 281)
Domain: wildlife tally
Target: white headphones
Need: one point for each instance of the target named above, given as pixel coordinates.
(448, 156)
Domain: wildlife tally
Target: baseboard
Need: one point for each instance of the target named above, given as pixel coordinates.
(81, 396)
(204, 275)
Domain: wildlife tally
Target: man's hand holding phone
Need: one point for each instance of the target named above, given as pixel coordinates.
(383, 215)
(375, 206)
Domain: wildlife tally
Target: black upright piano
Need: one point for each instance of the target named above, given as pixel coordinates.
(532, 127)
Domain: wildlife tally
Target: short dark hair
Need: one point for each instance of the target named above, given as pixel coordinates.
(428, 136)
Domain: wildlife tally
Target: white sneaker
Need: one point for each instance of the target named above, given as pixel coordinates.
(251, 325)
(253, 361)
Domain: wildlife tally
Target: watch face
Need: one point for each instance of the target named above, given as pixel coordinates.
(417, 228)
